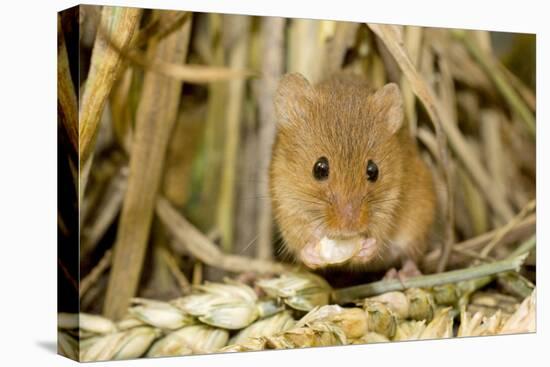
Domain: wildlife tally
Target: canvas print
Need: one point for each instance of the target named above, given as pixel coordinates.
(233, 183)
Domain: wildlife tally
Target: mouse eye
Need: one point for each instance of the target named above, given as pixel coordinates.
(372, 171)
(320, 169)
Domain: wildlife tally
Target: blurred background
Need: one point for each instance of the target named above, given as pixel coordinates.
(162, 162)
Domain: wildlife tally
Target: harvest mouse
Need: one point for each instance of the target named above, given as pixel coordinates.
(347, 184)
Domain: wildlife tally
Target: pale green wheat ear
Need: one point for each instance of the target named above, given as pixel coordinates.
(85, 321)
(381, 319)
(194, 339)
(397, 302)
(524, 319)
(300, 291)
(162, 315)
(441, 325)
(249, 345)
(479, 324)
(319, 334)
(85, 325)
(409, 330)
(132, 343)
(351, 320)
(231, 315)
(230, 306)
(422, 304)
(269, 326)
(202, 321)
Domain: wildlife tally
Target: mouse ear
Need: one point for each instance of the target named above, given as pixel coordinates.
(293, 94)
(391, 102)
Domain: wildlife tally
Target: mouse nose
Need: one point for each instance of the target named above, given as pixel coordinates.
(347, 211)
(348, 218)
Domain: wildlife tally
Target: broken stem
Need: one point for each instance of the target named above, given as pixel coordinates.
(372, 289)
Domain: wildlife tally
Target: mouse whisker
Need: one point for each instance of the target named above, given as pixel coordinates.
(305, 201)
(379, 201)
(313, 195)
(384, 188)
(318, 226)
(310, 195)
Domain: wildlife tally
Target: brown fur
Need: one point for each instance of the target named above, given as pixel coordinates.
(345, 121)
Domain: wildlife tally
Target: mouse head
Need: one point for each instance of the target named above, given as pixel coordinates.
(337, 167)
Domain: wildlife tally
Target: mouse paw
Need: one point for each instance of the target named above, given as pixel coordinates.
(311, 257)
(408, 270)
(368, 250)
